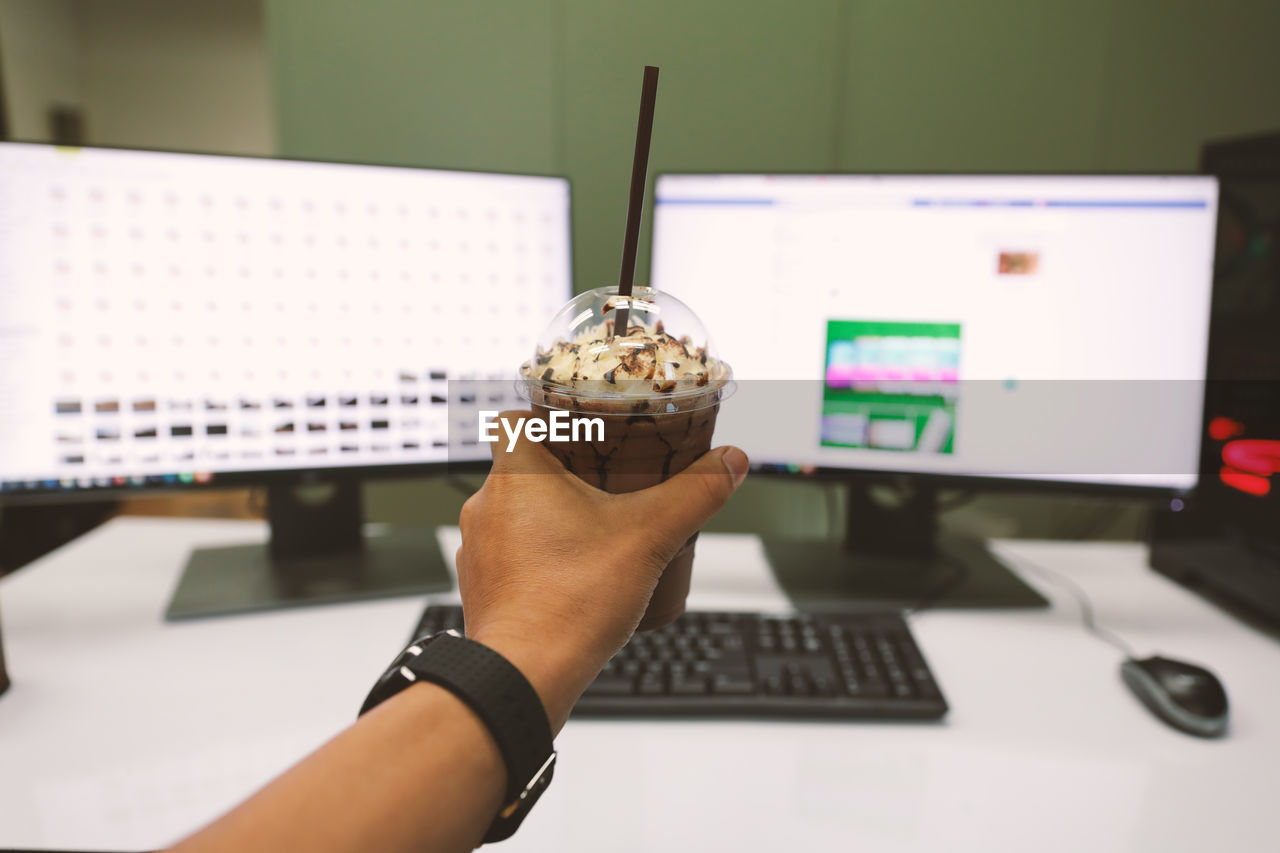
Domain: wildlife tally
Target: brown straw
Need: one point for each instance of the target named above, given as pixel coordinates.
(635, 205)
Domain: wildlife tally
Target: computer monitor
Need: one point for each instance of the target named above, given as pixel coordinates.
(1045, 331)
(184, 320)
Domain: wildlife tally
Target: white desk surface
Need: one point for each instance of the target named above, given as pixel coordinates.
(124, 732)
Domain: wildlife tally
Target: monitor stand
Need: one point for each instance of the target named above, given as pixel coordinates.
(895, 557)
(4, 672)
(317, 554)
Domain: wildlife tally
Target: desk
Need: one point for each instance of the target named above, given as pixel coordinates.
(123, 732)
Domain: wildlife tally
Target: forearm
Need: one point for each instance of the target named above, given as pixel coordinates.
(420, 772)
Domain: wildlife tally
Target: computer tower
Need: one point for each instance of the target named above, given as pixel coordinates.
(1227, 541)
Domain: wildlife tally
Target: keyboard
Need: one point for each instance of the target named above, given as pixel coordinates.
(713, 664)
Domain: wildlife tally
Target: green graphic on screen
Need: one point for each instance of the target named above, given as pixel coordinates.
(891, 385)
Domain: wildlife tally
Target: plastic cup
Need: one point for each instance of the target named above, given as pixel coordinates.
(653, 430)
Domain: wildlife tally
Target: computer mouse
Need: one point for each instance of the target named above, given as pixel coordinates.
(1186, 696)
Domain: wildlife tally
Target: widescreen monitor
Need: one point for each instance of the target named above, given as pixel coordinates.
(182, 320)
(1042, 328)
(171, 319)
(958, 330)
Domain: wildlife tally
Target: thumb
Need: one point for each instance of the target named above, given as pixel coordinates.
(685, 502)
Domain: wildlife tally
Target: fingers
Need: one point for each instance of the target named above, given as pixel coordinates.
(686, 501)
(514, 453)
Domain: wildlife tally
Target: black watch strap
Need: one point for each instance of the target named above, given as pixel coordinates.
(501, 697)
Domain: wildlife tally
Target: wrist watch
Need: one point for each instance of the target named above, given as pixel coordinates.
(503, 700)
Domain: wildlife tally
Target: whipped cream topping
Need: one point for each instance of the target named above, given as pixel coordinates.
(645, 361)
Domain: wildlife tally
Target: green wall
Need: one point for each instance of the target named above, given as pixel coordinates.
(791, 85)
(552, 86)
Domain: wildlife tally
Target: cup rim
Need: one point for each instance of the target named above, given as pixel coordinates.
(537, 391)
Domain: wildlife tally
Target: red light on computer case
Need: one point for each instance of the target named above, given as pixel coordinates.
(1250, 464)
(1256, 456)
(1250, 484)
(1221, 429)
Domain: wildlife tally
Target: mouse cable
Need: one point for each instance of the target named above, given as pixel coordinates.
(958, 575)
(1087, 616)
(461, 486)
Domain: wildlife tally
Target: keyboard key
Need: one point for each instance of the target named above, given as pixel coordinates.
(734, 685)
(688, 686)
(612, 685)
(823, 686)
(650, 684)
(874, 687)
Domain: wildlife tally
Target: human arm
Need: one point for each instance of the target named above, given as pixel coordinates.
(420, 771)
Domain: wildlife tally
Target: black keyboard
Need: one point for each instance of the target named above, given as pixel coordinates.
(708, 664)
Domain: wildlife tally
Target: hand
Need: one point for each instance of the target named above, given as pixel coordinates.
(555, 574)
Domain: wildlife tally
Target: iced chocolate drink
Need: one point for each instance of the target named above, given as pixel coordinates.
(657, 389)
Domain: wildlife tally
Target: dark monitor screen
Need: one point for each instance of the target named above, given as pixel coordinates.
(178, 318)
(1048, 329)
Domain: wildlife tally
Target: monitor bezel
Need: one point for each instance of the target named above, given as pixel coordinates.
(828, 474)
(230, 480)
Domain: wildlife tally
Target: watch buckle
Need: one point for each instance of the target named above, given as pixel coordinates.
(539, 781)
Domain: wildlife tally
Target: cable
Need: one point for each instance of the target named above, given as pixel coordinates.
(831, 498)
(462, 486)
(960, 569)
(958, 499)
(959, 574)
(257, 502)
(1087, 616)
(1093, 527)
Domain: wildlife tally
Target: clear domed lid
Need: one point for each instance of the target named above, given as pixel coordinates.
(592, 317)
(665, 351)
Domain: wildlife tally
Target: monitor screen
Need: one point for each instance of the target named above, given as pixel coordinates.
(178, 318)
(1011, 327)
